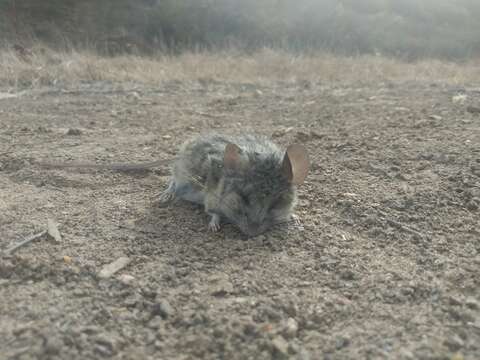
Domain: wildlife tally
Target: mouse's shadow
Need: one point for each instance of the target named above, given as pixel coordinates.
(180, 229)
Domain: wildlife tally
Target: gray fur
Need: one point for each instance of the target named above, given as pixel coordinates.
(254, 197)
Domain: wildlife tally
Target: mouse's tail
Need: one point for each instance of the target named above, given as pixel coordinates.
(113, 166)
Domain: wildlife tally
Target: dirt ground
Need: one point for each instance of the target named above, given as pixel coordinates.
(385, 263)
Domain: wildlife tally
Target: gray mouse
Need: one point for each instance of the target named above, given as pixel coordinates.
(245, 179)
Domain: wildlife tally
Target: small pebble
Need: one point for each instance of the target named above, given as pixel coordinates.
(458, 356)
(291, 328)
(126, 279)
(74, 132)
(454, 343)
(472, 303)
(406, 355)
(473, 109)
(472, 206)
(156, 322)
(163, 308)
(53, 345)
(222, 288)
(342, 342)
(280, 347)
(459, 99)
(454, 300)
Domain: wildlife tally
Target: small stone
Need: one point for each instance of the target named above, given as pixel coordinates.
(53, 230)
(435, 117)
(166, 137)
(280, 347)
(79, 292)
(67, 259)
(53, 345)
(459, 99)
(126, 279)
(250, 329)
(473, 109)
(347, 275)
(472, 303)
(472, 206)
(406, 355)
(454, 343)
(293, 348)
(291, 328)
(102, 350)
(163, 308)
(302, 136)
(341, 342)
(110, 269)
(104, 345)
(316, 135)
(134, 95)
(222, 288)
(156, 322)
(91, 329)
(454, 300)
(303, 354)
(457, 356)
(74, 132)
(281, 132)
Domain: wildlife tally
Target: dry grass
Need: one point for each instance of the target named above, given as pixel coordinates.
(44, 67)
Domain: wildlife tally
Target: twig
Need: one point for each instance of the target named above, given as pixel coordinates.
(13, 248)
(401, 226)
(110, 269)
(215, 116)
(141, 231)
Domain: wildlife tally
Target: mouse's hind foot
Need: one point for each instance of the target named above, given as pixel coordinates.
(295, 219)
(296, 222)
(214, 224)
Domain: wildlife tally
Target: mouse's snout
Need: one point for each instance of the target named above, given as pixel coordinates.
(254, 228)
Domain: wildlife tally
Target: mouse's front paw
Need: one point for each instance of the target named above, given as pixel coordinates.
(168, 195)
(214, 224)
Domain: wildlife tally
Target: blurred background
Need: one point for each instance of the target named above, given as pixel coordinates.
(407, 29)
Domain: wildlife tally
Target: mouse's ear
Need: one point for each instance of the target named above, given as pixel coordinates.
(295, 164)
(232, 157)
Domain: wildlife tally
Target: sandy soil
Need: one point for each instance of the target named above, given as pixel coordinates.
(385, 264)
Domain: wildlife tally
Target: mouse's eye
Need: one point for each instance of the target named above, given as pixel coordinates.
(277, 203)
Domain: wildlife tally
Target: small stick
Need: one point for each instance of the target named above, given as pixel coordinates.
(400, 225)
(110, 269)
(13, 248)
(215, 116)
(146, 232)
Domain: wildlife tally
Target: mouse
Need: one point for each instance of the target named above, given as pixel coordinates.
(246, 180)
